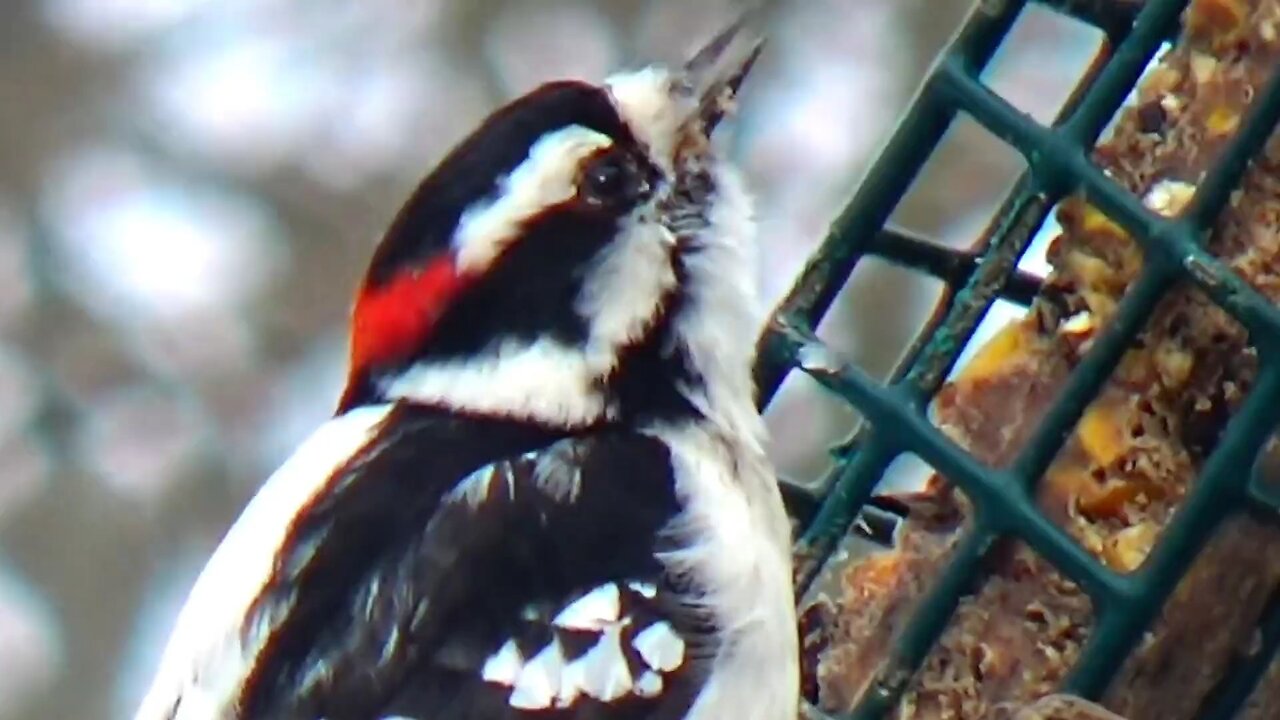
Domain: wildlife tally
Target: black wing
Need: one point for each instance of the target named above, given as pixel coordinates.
(527, 587)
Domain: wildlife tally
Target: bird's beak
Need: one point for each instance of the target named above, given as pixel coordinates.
(716, 72)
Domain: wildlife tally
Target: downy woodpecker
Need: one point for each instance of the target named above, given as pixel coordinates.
(544, 492)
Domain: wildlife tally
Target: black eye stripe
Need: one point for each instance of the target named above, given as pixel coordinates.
(426, 222)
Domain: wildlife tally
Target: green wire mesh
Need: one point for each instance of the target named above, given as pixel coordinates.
(895, 412)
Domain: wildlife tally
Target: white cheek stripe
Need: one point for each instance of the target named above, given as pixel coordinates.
(547, 177)
(211, 650)
(546, 379)
(542, 380)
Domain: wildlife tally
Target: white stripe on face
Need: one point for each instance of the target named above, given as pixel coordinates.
(648, 107)
(547, 177)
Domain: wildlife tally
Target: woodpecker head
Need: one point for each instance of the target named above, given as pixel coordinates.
(584, 255)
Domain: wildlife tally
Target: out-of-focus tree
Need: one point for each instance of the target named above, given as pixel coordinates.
(188, 188)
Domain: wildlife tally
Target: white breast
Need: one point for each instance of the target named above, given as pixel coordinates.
(740, 552)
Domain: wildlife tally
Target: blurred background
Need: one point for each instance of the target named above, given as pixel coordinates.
(189, 190)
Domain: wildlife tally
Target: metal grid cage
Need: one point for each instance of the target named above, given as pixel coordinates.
(1058, 159)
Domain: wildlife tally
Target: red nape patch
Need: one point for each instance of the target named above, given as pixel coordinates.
(392, 320)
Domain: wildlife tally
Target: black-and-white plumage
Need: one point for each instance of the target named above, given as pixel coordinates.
(545, 493)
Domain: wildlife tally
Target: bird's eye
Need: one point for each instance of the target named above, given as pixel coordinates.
(611, 180)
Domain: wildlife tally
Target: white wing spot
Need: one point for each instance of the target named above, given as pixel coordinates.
(546, 177)
(649, 685)
(558, 473)
(474, 488)
(539, 682)
(570, 686)
(659, 645)
(602, 672)
(530, 613)
(593, 611)
(645, 589)
(504, 666)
